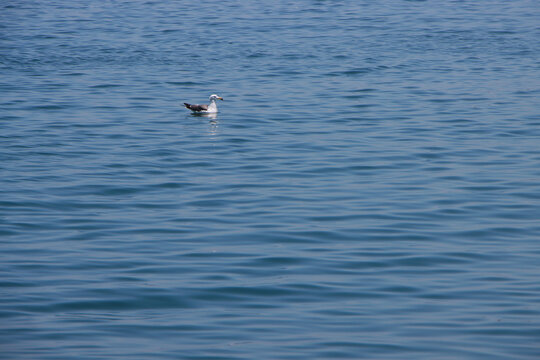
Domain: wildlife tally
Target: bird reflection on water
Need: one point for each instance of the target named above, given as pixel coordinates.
(213, 129)
(211, 116)
(213, 123)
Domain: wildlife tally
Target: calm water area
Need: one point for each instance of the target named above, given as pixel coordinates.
(370, 188)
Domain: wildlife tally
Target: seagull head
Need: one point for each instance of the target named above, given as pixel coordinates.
(214, 97)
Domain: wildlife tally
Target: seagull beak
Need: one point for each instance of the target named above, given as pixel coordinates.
(220, 98)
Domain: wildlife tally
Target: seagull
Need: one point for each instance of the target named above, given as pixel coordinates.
(205, 109)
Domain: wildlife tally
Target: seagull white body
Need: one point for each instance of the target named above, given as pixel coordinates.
(212, 107)
(205, 109)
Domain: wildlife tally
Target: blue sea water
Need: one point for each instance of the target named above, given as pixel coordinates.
(368, 190)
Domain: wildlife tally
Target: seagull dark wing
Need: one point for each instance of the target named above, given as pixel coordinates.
(196, 107)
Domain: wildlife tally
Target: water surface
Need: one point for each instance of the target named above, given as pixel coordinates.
(369, 188)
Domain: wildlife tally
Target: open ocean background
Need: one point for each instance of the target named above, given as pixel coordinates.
(369, 190)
